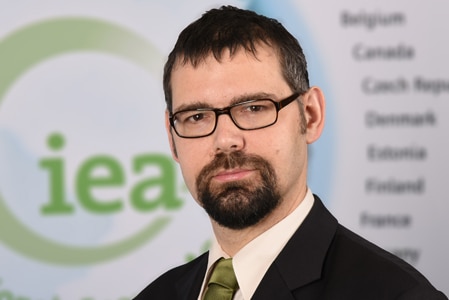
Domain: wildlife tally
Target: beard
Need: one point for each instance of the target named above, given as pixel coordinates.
(243, 203)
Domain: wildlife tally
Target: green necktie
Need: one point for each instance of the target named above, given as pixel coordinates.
(222, 283)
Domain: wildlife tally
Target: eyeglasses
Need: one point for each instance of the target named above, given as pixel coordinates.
(247, 115)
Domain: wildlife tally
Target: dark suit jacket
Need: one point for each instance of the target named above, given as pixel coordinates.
(322, 260)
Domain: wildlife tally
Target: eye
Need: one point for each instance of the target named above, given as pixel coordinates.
(256, 107)
(193, 117)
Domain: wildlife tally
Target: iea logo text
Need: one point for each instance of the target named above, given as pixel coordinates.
(74, 184)
(86, 181)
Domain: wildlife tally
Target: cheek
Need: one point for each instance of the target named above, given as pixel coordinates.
(189, 176)
(289, 156)
(191, 160)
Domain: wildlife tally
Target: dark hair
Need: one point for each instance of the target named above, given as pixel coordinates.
(233, 29)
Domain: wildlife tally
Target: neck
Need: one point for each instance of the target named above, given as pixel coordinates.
(232, 240)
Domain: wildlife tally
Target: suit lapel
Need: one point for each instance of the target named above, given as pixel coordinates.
(302, 259)
(189, 285)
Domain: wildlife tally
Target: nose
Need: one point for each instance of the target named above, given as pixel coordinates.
(227, 136)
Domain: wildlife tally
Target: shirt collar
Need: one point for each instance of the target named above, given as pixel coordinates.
(253, 260)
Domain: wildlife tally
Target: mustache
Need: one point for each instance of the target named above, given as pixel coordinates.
(226, 161)
(229, 160)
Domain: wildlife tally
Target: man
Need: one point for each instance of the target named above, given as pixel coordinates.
(240, 114)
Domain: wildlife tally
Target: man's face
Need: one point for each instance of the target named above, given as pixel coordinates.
(240, 177)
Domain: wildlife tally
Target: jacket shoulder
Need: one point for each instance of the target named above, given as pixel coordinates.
(369, 267)
(183, 279)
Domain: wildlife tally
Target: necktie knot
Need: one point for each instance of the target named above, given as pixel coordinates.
(222, 283)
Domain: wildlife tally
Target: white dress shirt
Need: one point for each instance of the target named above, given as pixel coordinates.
(253, 260)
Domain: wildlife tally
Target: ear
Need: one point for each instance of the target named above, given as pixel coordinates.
(170, 136)
(314, 110)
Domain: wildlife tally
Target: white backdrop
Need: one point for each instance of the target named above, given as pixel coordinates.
(93, 207)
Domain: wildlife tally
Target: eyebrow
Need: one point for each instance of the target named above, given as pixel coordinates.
(204, 105)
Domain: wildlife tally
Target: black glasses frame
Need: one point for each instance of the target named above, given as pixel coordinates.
(227, 111)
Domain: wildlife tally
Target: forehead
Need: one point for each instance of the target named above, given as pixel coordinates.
(217, 83)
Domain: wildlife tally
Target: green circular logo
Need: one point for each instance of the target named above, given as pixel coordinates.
(22, 50)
